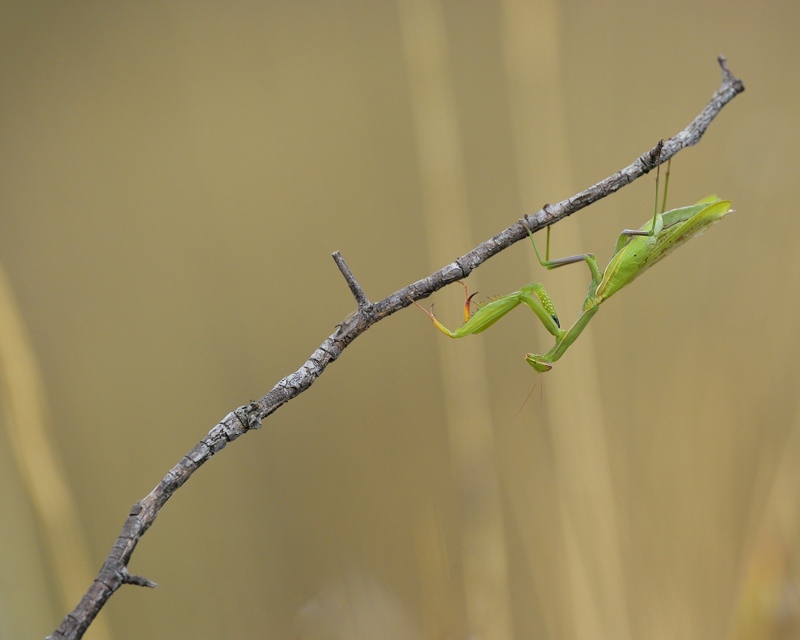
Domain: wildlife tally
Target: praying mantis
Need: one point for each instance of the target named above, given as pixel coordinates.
(636, 251)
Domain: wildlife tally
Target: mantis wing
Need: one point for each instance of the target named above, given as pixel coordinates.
(642, 252)
(681, 229)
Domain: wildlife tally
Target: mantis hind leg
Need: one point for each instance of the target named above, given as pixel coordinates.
(547, 263)
(666, 186)
(627, 233)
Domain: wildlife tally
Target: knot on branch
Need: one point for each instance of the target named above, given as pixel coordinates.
(249, 415)
(651, 159)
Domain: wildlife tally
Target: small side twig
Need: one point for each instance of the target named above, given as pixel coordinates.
(358, 293)
(139, 581)
(114, 572)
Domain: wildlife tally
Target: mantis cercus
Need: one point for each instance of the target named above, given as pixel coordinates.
(636, 251)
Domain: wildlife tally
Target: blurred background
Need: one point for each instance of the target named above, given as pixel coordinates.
(174, 179)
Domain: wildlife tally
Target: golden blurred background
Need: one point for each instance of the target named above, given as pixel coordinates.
(174, 179)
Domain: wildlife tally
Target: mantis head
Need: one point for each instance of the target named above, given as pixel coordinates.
(538, 362)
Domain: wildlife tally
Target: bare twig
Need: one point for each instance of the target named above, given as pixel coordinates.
(114, 572)
(355, 288)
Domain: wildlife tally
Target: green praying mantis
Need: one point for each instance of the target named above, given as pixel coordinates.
(636, 251)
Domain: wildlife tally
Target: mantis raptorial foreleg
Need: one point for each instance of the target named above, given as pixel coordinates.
(636, 251)
(533, 295)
